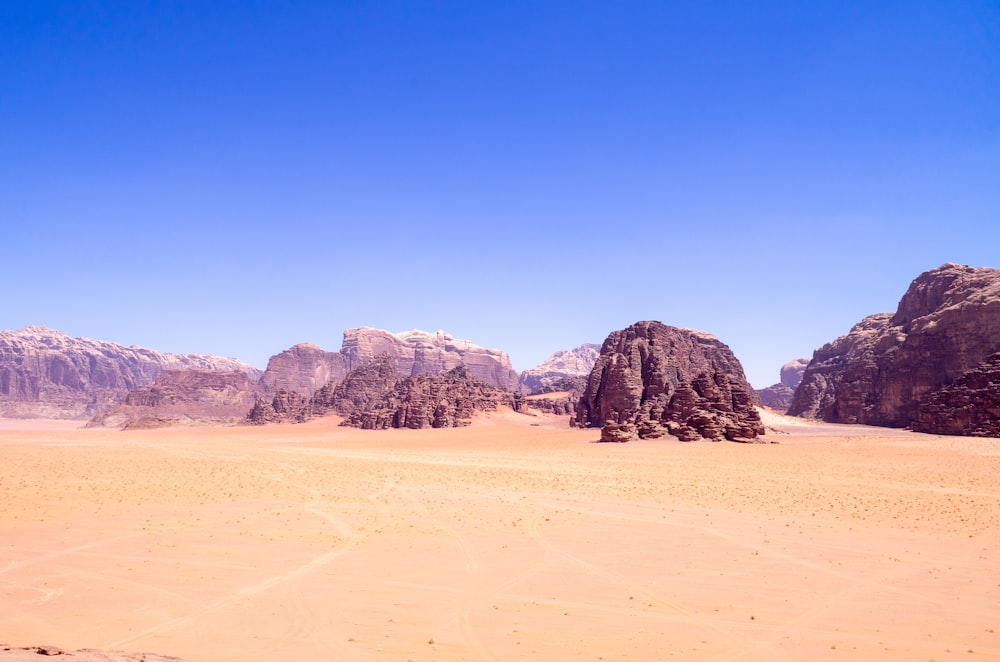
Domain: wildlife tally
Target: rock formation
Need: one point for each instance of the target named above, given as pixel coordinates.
(969, 406)
(284, 406)
(183, 397)
(946, 325)
(307, 368)
(779, 396)
(432, 401)
(563, 371)
(44, 373)
(304, 369)
(664, 380)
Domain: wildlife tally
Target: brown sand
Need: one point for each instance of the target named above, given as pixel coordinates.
(514, 539)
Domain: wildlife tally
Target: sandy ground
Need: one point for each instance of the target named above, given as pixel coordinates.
(514, 539)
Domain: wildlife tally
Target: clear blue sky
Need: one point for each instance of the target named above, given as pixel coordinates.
(237, 177)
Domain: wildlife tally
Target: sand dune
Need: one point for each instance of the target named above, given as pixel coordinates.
(517, 538)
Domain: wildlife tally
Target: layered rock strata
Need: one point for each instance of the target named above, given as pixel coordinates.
(565, 370)
(664, 380)
(969, 406)
(183, 397)
(947, 323)
(306, 368)
(47, 374)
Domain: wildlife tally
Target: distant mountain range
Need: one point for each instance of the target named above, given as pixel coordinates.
(933, 365)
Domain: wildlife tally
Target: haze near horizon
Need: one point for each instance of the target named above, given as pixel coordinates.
(235, 179)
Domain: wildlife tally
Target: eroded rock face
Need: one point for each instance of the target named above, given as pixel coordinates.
(563, 371)
(664, 380)
(432, 401)
(946, 324)
(307, 368)
(45, 373)
(183, 397)
(779, 396)
(304, 368)
(969, 406)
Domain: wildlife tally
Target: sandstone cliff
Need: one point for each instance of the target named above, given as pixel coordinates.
(44, 373)
(779, 396)
(946, 325)
(562, 371)
(969, 406)
(303, 368)
(307, 368)
(651, 380)
(183, 397)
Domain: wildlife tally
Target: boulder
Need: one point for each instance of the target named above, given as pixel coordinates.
(666, 380)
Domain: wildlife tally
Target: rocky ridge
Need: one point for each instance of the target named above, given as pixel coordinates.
(651, 380)
(47, 374)
(307, 368)
(946, 325)
(562, 371)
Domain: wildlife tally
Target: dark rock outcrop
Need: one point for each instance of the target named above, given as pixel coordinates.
(969, 406)
(183, 397)
(779, 396)
(946, 325)
(665, 380)
(432, 401)
(284, 406)
(45, 373)
(363, 389)
(563, 371)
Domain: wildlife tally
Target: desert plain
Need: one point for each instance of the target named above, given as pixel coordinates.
(517, 538)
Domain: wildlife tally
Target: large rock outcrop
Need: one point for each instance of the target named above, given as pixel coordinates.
(444, 400)
(969, 406)
(33, 653)
(946, 325)
(183, 397)
(779, 396)
(306, 368)
(47, 374)
(562, 371)
(664, 380)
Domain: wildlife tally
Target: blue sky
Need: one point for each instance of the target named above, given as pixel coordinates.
(237, 177)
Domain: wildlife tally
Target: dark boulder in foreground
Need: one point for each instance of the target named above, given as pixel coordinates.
(663, 380)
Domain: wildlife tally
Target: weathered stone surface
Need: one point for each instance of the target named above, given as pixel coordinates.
(307, 368)
(946, 324)
(666, 380)
(563, 371)
(779, 396)
(619, 433)
(304, 368)
(969, 406)
(363, 389)
(432, 401)
(560, 403)
(791, 372)
(422, 353)
(776, 396)
(183, 397)
(284, 406)
(45, 373)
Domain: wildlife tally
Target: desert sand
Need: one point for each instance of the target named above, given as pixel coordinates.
(516, 538)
